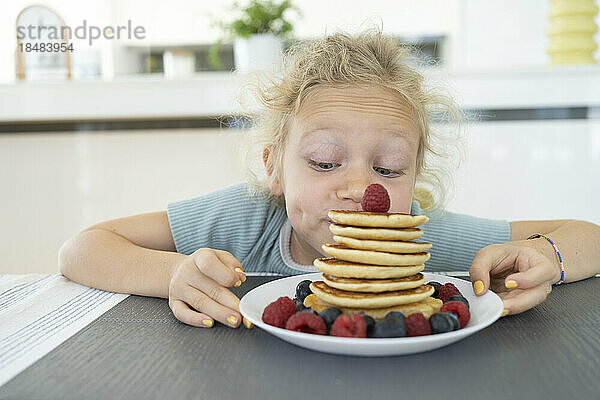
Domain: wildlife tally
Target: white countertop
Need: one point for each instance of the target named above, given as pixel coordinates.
(213, 94)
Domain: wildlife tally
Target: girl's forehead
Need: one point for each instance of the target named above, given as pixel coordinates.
(370, 100)
(355, 93)
(335, 109)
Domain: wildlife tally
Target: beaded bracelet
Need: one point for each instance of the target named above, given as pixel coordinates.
(562, 266)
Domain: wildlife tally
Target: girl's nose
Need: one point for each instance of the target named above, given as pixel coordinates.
(353, 190)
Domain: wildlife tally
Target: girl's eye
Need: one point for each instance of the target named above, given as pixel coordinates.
(387, 172)
(324, 166)
(327, 166)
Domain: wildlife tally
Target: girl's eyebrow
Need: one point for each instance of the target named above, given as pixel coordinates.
(310, 132)
(322, 147)
(397, 131)
(385, 153)
(395, 157)
(400, 132)
(405, 147)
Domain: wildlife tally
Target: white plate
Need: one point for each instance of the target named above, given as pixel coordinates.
(484, 311)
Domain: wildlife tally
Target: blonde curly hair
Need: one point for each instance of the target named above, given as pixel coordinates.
(339, 60)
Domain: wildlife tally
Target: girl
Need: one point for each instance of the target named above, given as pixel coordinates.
(347, 112)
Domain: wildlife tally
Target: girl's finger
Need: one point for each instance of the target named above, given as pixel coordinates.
(540, 271)
(495, 256)
(199, 301)
(516, 301)
(228, 259)
(188, 316)
(210, 265)
(215, 291)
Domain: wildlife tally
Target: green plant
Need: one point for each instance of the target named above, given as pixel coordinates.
(259, 16)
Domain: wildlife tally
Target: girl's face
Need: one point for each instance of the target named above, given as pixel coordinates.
(341, 141)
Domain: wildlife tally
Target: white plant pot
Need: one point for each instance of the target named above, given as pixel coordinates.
(179, 64)
(259, 52)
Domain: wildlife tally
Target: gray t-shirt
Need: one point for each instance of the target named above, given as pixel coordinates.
(257, 232)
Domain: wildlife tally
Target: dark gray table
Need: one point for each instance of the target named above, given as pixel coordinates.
(139, 350)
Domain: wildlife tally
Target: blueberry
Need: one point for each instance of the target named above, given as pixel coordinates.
(459, 298)
(395, 314)
(299, 304)
(389, 327)
(303, 289)
(441, 322)
(329, 315)
(435, 285)
(370, 323)
(455, 321)
(310, 310)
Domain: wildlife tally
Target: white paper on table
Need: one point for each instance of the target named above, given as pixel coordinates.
(39, 311)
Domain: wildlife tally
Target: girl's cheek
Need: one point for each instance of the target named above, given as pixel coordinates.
(403, 201)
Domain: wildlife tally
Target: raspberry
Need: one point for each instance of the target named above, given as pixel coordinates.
(376, 199)
(346, 327)
(417, 325)
(451, 286)
(459, 309)
(446, 291)
(278, 312)
(307, 323)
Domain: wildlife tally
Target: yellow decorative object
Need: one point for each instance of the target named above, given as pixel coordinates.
(571, 31)
(423, 197)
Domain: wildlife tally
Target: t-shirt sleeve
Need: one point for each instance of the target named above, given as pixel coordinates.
(456, 238)
(226, 219)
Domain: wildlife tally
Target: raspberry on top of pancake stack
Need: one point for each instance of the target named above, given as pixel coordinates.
(375, 267)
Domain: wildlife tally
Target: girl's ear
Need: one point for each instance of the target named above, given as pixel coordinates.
(272, 180)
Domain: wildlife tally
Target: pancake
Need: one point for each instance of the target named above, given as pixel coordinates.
(374, 257)
(394, 246)
(375, 219)
(376, 233)
(344, 298)
(426, 307)
(341, 268)
(374, 285)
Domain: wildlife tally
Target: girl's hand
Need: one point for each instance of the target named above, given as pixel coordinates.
(198, 291)
(519, 274)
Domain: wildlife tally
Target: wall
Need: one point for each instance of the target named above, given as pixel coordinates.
(61, 183)
(481, 34)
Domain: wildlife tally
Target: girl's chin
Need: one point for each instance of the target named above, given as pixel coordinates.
(322, 235)
(328, 239)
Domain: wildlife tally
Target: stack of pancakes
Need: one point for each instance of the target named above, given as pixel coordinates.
(375, 267)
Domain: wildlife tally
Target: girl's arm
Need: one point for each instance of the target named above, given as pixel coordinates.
(522, 272)
(132, 255)
(577, 241)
